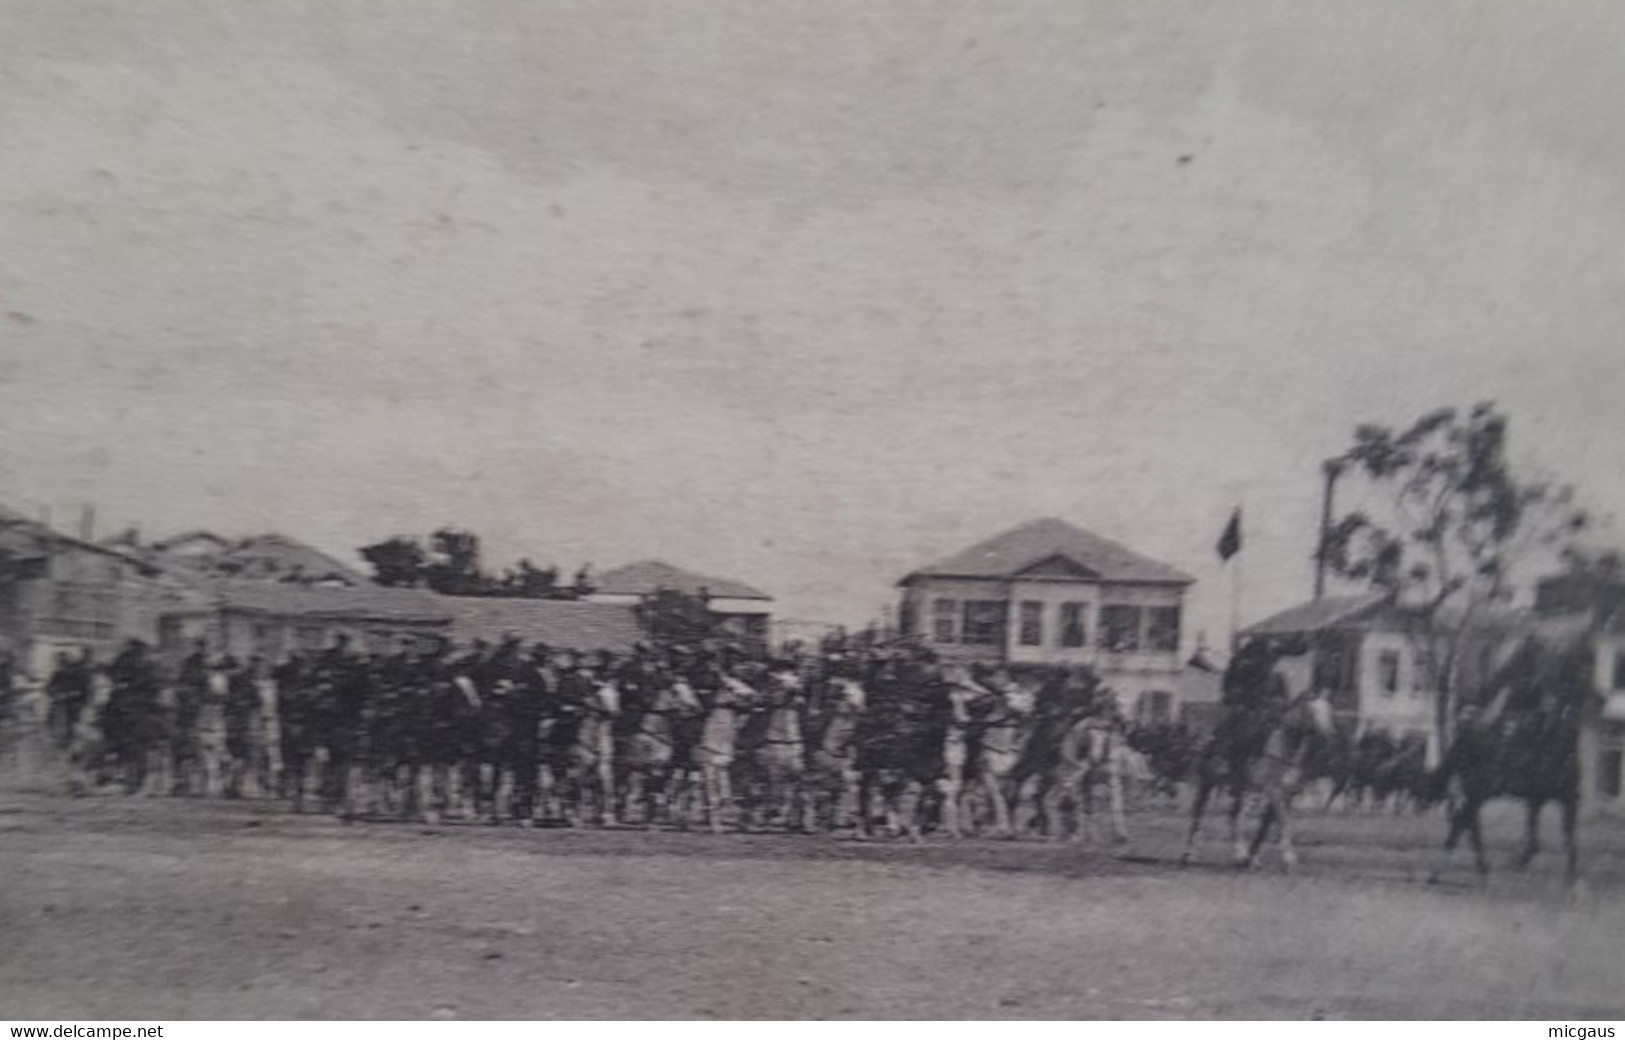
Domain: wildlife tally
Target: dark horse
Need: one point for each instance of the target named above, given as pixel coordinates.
(1523, 745)
(1267, 740)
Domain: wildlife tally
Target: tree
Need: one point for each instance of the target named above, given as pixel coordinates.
(397, 562)
(671, 617)
(1453, 525)
(454, 564)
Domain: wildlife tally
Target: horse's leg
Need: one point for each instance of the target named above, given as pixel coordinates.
(1265, 819)
(1238, 800)
(1571, 840)
(1114, 795)
(1531, 834)
(1204, 791)
(606, 782)
(1475, 830)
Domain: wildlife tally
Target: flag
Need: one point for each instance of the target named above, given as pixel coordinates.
(1230, 540)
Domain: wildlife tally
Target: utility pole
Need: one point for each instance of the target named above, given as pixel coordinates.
(1331, 469)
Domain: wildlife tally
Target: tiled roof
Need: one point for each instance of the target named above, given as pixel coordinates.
(1318, 615)
(1007, 555)
(568, 624)
(362, 602)
(649, 576)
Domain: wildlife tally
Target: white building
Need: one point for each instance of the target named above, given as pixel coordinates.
(1050, 593)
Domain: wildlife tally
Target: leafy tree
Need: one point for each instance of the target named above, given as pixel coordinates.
(396, 562)
(453, 566)
(1453, 524)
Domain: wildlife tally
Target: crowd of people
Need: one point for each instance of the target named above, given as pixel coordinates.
(526, 733)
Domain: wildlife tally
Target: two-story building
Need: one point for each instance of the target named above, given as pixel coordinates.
(1051, 593)
(61, 593)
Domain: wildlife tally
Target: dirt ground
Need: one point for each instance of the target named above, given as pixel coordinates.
(140, 909)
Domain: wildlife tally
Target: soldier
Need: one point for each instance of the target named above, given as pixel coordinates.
(533, 687)
(69, 690)
(183, 739)
(242, 718)
(341, 688)
(132, 722)
(296, 719)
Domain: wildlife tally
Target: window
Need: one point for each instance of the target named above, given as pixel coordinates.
(944, 613)
(1032, 623)
(1120, 627)
(1619, 670)
(984, 622)
(1162, 629)
(1159, 707)
(1074, 629)
(1611, 763)
(1388, 672)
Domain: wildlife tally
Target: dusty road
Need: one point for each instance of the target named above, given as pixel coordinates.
(120, 908)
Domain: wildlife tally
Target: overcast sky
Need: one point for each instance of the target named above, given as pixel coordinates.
(802, 294)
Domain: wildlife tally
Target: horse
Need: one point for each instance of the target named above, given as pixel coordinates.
(831, 775)
(649, 755)
(1524, 745)
(1266, 740)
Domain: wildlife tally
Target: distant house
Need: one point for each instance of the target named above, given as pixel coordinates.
(265, 557)
(1048, 593)
(63, 593)
(743, 610)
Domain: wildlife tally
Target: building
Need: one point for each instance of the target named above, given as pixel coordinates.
(1050, 593)
(59, 593)
(742, 611)
(274, 618)
(1366, 654)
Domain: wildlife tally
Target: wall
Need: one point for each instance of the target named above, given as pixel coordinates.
(1410, 708)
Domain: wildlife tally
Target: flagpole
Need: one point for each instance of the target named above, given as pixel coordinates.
(1235, 600)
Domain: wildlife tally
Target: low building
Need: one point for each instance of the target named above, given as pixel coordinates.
(272, 619)
(742, 611)
(1051, 593)
(560, 624)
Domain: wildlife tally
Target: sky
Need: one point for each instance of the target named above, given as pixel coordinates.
(806, 295)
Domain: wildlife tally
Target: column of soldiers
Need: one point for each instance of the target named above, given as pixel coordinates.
(513, 732)
(423, 731)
